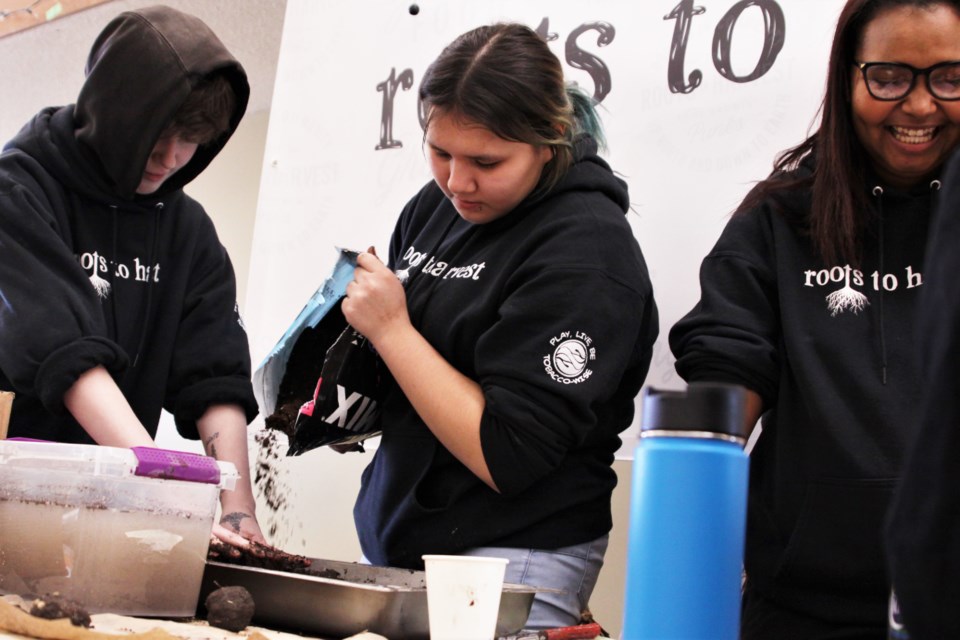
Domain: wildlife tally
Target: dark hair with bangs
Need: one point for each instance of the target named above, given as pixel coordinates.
(505, 78)
(205, 114)
(841, 207)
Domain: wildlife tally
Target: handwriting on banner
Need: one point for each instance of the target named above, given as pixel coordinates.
(577, 57)
(773, 37)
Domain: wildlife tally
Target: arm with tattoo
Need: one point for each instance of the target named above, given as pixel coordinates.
(223, 430)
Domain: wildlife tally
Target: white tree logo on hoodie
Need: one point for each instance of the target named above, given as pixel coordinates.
(98, 263)
(846, 298)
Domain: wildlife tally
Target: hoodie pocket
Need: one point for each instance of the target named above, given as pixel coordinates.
(837, 541)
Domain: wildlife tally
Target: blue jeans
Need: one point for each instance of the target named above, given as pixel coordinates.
(573, 571)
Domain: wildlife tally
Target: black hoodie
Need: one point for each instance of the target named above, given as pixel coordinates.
(830, 348)
(550, 309)
(922, 534)
(92, 273)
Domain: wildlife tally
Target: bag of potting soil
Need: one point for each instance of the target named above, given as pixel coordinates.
(345, 408)
(320, 383)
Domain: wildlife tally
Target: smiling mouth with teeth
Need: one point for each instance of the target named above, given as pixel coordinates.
(910, 135)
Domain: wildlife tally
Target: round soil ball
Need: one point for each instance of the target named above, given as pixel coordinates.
(229, 608)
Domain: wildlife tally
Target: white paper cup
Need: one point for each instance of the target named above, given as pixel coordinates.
(463, 596)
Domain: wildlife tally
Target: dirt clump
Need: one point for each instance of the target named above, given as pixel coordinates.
(53, 606)
(229, 608)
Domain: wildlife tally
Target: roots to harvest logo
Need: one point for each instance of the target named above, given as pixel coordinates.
(849, 297)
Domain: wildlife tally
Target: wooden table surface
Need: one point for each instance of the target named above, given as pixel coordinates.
(17, 624)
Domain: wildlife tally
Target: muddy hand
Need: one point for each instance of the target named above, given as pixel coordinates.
(229, 537)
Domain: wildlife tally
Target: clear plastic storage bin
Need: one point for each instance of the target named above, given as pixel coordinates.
(122, 531)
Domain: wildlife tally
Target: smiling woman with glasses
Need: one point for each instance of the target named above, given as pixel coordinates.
(809, 301)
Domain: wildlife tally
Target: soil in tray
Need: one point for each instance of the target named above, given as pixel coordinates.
(261, 556)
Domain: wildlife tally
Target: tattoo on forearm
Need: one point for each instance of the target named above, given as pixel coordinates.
(209, 445)
(234, 519)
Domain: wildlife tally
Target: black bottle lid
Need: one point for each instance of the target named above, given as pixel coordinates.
(702, 408)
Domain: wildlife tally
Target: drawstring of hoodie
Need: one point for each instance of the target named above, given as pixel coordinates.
(110, 272)
(151, 276)
(878, 194)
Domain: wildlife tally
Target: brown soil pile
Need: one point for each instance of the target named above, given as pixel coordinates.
(53, 606)
(259, 556)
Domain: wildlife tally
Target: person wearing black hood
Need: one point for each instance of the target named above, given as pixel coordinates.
(523, 334)
(923, 548)
(118, 299)
(809, 299)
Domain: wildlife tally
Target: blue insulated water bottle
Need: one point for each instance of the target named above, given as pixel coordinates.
(687, 516)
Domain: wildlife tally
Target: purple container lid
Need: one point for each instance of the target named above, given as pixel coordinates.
(176, 465)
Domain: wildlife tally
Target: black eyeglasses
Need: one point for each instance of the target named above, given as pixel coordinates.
(895, 80)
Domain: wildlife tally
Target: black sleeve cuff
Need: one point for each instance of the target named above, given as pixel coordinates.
(62, 368)
(730, 373)
(194, 401)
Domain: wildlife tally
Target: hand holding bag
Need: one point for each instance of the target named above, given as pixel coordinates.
(321, 383)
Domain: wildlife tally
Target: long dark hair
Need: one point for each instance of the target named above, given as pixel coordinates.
(505, 78)
(840, 207)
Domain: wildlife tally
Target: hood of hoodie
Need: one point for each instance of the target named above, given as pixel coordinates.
(140, 70)
(590, 172)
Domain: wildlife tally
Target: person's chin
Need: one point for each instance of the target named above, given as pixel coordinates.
(470, 211)
(148, 186)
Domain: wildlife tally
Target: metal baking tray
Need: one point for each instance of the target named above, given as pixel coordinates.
(385, 600)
